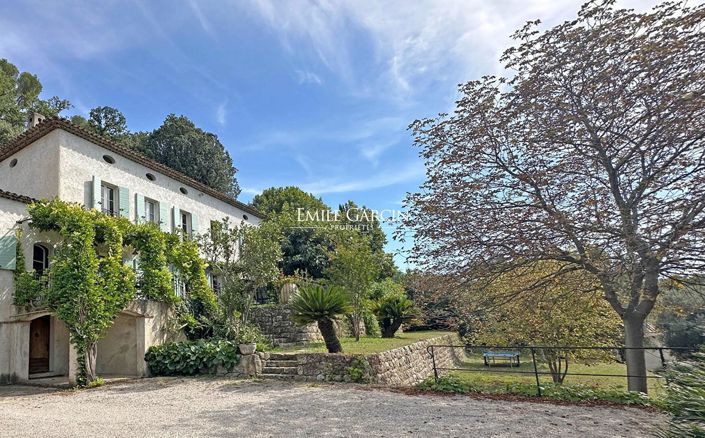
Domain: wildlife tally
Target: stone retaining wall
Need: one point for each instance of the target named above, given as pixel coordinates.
(402, 366)
(274, 321)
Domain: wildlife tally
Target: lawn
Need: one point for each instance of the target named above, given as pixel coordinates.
(474, 376)
(501, 376)
(367, 345)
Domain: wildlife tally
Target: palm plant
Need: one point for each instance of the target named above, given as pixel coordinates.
(685, 399)
(322, 305)
(392, 311)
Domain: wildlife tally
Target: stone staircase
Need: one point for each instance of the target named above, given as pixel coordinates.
(280, 366)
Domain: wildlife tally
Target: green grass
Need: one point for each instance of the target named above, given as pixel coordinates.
(477, 378)
(367, 345)
(500, 376)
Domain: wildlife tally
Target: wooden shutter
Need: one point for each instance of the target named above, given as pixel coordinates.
(124, 194)
(8, 252)
(164, 224)
(139, 208)
(96, 195)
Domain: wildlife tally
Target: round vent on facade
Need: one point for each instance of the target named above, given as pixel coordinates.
(183, 190)
(13, 163)
(108, 159)
(151, 177)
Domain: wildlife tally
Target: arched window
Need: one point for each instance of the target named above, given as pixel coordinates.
(40, 259)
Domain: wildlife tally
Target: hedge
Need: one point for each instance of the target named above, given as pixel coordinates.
(191, 357)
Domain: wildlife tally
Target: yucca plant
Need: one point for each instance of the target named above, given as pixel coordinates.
(322, 305)
(685, 399)
(392, 311)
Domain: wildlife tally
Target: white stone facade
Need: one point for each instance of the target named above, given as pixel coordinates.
(63, 162)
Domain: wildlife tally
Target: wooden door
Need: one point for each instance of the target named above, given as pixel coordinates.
(39, 345)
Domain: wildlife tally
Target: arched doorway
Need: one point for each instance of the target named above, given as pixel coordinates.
(39, 342)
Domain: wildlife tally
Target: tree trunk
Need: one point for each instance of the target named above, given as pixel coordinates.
(389, 329)
(327, 329)
(635, 358)
(91, 357)
(356, 325)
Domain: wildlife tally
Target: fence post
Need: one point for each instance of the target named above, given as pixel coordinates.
(433, 359)
(536, 372)
(663, 358)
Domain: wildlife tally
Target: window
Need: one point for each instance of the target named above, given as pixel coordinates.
(186, 223)
(109, 200)
(151, 211)
(40, 258)
(215, 280)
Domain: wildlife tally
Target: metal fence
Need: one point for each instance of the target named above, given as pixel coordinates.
(547, 360)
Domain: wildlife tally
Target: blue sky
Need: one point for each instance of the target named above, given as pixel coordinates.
(316, 94)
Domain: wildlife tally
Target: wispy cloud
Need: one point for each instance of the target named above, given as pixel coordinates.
(392, 175)
(308, 77)
(221, 113)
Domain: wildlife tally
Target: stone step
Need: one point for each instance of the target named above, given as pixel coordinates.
(282, 363)
(283, 376)
(279, 370)
(282, 356)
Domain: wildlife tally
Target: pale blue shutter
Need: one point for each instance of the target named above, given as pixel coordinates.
(96, 195)
(194, 224)
(164, 224)
(124, 202)
(175, 219)
(139, 201)
(8, 252)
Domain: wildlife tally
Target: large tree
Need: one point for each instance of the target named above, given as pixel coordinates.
(19, 99)
(306, 243)
(592, 154)
(106, 121)
(179, 144)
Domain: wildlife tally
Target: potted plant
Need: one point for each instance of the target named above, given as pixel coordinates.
(247, 340)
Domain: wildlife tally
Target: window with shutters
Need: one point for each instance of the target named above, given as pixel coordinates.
(186, 224)
(109, 200)
(151, 210)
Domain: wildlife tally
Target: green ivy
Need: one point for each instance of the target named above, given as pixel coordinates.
(28, 286)
(154, 280)
(191, 357)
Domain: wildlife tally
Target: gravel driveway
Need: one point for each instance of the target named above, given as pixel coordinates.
(222, 407)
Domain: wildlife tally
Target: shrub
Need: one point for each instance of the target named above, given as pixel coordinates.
(321, 305)
(685, 399)
(371, 324)
(191, 357)
(392, 311)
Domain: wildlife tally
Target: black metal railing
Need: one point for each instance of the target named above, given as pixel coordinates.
(541, 355)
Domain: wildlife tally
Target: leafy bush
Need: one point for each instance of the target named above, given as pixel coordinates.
(191, 357)
(685, 399)
(392, 311)
(371, 324)
(576, 393)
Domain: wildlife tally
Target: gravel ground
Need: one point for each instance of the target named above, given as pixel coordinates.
(222, 407)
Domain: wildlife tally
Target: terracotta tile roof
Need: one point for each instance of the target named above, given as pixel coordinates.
(16, 197)
(51, 123)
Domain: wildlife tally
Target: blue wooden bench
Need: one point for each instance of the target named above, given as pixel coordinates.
(491, 358)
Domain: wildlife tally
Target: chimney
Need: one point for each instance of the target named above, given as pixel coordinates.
(36, 119)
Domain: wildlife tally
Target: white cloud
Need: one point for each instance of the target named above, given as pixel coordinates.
(307, 77)
(390, 176)
(414, 44)
(221, 113)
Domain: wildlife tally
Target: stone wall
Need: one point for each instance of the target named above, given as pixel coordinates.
(274, 320)
(402, 366)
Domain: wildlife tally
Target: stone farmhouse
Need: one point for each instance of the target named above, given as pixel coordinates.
(57, 159)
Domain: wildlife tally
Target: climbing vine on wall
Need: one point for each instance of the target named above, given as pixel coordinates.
(88, 284)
